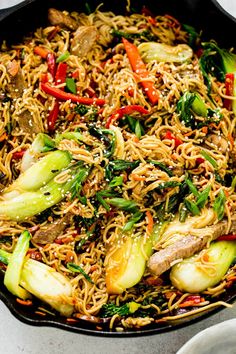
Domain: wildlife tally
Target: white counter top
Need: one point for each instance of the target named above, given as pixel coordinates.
(19, 338)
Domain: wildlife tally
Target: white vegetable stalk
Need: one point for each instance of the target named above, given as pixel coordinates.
(192, 275)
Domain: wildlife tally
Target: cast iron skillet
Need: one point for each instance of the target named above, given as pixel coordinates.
(203, 15)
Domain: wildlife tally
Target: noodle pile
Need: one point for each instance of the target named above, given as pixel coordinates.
(105, 72)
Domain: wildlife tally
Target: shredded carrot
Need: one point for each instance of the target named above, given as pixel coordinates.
(42, 52)
(150, 221)
(71, 320)
(137, 177)
(24, 302)
(231, 140)
(205, 257)
(69, 256)
(205, 130)
(66, 239)
(135, 139)
(217, 127)
(40, 313)
(3, 137)
(226, 193)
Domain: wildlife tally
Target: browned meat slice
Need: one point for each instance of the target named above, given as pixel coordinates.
(58, 18)
(83, 41)
(17, 84)
(15, 89)
(27, 124)
(163, 260)
(52, 231)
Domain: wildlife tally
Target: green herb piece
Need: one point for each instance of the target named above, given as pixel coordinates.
(63, 57)
(71, 85)
(77, 269)
(135, 126)
(119, 165)
(102, 134)
(193, 35)
(209, 158)
(162, 167)
(77, 184)
(219, 204)
(123, 204)
(116, 181)
(191, 206)
(132, 221)
(192, 188)
(111, 309)
(202, 197)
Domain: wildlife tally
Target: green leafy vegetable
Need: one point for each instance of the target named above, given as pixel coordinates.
(162, 167)
(15, 265)
(209, 158)
(111, 309)
(71, 85)
(63, 57)
(132, 221)
(102, 134)
(77, 269)
(219, 204)
(193, 35)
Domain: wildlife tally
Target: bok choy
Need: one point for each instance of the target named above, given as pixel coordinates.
(40, 173)
(25, 276)
(30, 203)
(165, 53)
(197, 273)
(126, 265)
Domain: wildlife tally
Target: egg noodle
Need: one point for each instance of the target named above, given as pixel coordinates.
(161, 148)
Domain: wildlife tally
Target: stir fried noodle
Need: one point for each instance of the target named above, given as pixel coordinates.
(150, 134)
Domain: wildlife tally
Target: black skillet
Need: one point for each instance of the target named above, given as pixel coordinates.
(204, 15)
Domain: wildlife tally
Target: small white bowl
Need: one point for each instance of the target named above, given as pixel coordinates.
(217, 339)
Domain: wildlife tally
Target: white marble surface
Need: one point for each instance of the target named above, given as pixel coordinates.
(17, 337)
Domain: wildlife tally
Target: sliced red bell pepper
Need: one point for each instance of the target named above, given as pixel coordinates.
(229, 90)
(17, 155)
(52, 66)
(199, 160)
(140, 70)
(52, 117)
(191, 300)
(227, 238)
(170, 136)
(60, 77)
(64, 96)
(121, 112)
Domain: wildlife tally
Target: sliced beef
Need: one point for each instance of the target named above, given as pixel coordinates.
(52, 231)
(163, 260)
(17, 84)
(15, 89)
(83, 41)
(59, 18)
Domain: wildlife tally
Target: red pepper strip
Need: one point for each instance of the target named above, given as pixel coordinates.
(52, 117)
(170, 136)
(64, 96)
(17, 155)
(42, 52)
(191, 300)
(199, 160)
(52, 66)
(44, 78)
(139, 68)
(229, 90)
(60, 77)
(121, 112)
(227, 238)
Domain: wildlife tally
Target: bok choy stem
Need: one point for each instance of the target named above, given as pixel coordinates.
(32, 203)
(42, 281)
